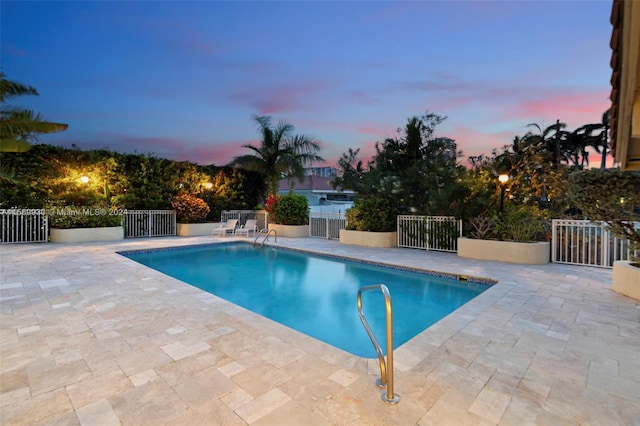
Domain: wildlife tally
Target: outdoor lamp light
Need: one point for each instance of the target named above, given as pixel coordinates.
(208, 185)
(84, 179)
(503, 180)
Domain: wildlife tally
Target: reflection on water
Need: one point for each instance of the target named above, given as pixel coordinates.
(312, 294)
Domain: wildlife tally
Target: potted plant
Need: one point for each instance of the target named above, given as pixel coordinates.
(74, 224)
(515, 235)
(371, 222)
(613, 197)
(191, 216)
(289, 215)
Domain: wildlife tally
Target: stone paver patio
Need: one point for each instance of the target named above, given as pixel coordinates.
(90, 337)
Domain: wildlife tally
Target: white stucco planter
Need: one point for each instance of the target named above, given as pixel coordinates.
(369, 239)
(626, 279)
(295, 231)
(529, 253)
(195, 229)
(86, 235)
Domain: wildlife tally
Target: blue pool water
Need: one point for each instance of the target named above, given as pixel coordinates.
(315, 295)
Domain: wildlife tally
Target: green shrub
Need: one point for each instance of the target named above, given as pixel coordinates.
(483, 227)
(611, 196)
(190, 209)
(522, 223)
(83, 217)
(290, 209)
(372, 214)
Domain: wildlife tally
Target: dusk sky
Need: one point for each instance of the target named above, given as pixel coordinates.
(181, 80)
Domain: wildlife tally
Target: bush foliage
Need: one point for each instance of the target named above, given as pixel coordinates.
(47, 175)
(515, 223)
(611, 196)
(290, 209)
(190, 209)
(372, 214)
(84, 217)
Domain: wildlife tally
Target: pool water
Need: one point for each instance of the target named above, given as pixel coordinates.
(315, 295)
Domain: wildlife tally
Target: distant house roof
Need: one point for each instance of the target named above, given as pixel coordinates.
(309, 183)
(624, 115)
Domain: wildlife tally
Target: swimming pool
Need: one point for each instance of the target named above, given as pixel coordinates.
(314, 294)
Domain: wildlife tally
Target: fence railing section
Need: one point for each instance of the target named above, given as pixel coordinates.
(326, 225)
(23, 226)
(149, 223)
(429, 232)
(581, 242)
(243, 215)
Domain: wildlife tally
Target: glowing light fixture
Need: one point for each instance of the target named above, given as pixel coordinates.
(84, 179)
(208, 185)
(503, 180)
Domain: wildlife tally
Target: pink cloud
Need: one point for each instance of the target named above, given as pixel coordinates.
(363, 98)
(575, 109)
(190, 44)
(474, 142)
(279, 98)
(380, 130)
(13, 50)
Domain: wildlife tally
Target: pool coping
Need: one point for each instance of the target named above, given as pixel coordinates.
(468, 280)
(450, 275)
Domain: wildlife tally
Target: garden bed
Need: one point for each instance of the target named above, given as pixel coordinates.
(86, 235)
(529, 253)
(369, 239)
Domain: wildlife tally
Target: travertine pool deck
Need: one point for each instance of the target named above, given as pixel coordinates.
(91, 337)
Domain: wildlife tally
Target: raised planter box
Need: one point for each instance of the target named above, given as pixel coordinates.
(369, 239)
(530, 253)
(195, 229)
(295, 231)
(626, 279)
(87, 235)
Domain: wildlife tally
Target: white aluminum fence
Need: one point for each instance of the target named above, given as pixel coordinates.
(23, 226)
(326, 225)
(438, 233)
(243, 215)
(149, 223)
(582, 242)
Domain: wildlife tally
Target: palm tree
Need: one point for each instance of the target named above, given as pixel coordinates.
(19, 126)
(605, 139)
(280, 154)
(589, 135)
(551, 141)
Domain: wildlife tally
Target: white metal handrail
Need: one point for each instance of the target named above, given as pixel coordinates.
(266, 233)
(386, 368)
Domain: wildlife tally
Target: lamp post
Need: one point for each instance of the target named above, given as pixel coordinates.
(503, 180)
(208, 187)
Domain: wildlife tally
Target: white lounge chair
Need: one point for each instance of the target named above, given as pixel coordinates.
(225, 228)
(250, 226)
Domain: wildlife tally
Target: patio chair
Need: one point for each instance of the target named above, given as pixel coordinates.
(250, 226)
(225, 228)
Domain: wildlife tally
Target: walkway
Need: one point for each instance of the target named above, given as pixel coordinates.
(90, 337)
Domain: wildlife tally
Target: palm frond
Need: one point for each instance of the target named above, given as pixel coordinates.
(14, 145)
(9, 176)
(11, 88)
(250, 162)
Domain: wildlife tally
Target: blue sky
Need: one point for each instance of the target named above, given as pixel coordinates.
(181, 80)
